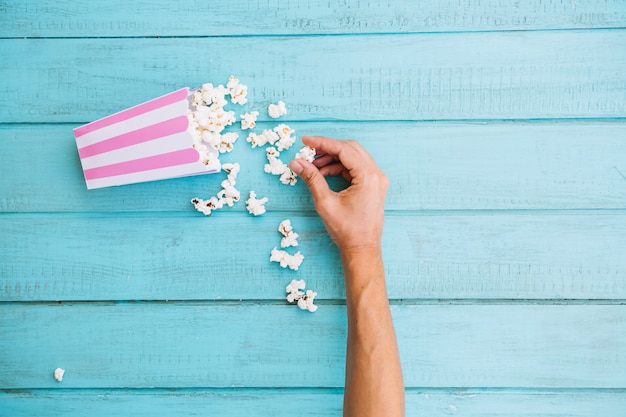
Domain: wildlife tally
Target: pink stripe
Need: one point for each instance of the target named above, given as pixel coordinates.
(184, 156)
(170, 98)
(145, 134)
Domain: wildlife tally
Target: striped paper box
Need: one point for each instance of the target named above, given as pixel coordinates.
(146, 142)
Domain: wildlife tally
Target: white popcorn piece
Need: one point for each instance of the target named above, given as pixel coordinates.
(229, 195)
(293, 290)
(306, 302)
(285, 227)
(58, 374)
(286, 260)
(206, 206)
(285, 138)
(307, 153)
(248, 120)
(255, 140)
(291, 239)
(226, 141)
(255, 206)
(270, 136)
(208, 119)
(275, 165)
(277, 110)
(237, 91)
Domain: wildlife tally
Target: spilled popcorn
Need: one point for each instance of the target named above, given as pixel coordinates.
(207, 122)
(229, 195)
(289, 236)
(304, 299)
(289, 239)
(255, 206)
(277, 167)
(248, 120)
(277, 110)
(286, 260)
(58, 374)
(284, 134)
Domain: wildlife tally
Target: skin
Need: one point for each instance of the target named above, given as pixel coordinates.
(354, 220)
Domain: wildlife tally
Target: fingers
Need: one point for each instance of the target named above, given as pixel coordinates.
(312, 176)
(349, 152)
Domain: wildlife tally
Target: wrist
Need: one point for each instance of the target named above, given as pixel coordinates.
(368, 252)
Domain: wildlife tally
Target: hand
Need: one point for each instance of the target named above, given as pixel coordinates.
(353, 217)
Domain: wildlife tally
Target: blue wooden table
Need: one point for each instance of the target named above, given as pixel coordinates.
(501, 126)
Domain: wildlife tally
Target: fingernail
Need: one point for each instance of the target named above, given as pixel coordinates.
(296, 166)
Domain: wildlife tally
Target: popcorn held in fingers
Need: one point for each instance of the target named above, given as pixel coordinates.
(248, 120)
(293, 289)
(58, 374)
(286, 260)
(255, 206)
(307, 153)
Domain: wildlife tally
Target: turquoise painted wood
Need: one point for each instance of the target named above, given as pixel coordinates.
(267, 345)
(519, 166)
(241, 17)
(428, 256)
(452, 76)
(500, 124)
(199, 402)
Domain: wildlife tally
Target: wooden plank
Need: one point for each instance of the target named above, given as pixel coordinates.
(431, 166)
(142, 345)
(466, 256)
(489, 75)
(115, 18)
(283, 402)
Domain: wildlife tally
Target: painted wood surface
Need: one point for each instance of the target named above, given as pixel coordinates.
(137, 345)
(500, 125)
(431, 166)
(83, 18)
(451, 76)
(198, 402)
(467, 256)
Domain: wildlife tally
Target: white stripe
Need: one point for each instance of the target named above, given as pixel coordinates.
(175, 142)
(143, 120)
(185, 170)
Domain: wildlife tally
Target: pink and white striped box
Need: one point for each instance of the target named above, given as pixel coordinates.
(146, 142)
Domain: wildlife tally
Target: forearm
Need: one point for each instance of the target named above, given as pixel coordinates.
(374, 385)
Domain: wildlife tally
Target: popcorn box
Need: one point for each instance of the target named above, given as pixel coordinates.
(146, 142)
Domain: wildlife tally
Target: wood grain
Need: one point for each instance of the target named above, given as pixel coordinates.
(116, 18)
(431, 166)
(555, 74)
(141, 345)
(283, 402)
(500, 124)
(481, 256)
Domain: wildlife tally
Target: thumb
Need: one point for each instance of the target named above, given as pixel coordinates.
(312, 176)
